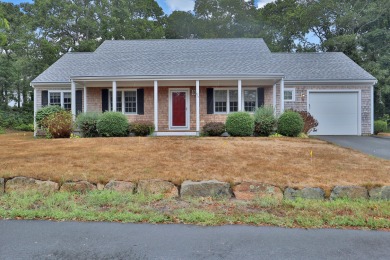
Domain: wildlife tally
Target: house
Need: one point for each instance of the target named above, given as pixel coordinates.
(182, 84)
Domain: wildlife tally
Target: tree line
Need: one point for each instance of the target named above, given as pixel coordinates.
(33, 36)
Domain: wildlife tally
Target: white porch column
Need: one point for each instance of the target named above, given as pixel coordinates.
(274, 98)
(197, 107)
(239, 95)
(35, 110)
(372, 109)
(85, 99)
(281, 96)
(155, 105)
(114, 96)
(73, 99)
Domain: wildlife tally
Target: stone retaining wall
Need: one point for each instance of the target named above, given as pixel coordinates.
(212, 188)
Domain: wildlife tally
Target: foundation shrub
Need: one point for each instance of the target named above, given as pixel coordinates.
(141, 128)
(380, 126)
(112, 124)
(59, 125)
(290, 123)
(214, 129)
(309, 121)
(45, 112)
(87, 123)
(265, 121)
(240, 124)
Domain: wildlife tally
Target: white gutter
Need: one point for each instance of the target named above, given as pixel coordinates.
(179, 77)
(331, 82)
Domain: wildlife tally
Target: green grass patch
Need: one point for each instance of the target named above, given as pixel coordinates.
(139, 208)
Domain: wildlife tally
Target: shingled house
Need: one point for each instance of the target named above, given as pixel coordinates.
(182, 84)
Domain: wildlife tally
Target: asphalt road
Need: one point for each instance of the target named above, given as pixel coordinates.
(375, 146)
(74, 240)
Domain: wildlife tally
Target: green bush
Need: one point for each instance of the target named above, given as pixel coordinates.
(24, 127)
(87, 123)
(45, 112)
(214, 129)
(240, 124)
(14, 117)
(59, 125)
(380, 126)
(290, 123)
(265, 121)
(112, 124)
(141, 128)
(2, 131)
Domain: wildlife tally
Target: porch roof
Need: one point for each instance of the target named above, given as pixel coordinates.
(184, 59)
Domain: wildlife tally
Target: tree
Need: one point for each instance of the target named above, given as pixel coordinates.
(181, 25)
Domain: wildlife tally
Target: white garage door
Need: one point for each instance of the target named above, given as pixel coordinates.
(336, 112)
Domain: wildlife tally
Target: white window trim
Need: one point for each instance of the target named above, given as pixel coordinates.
(123, 101)
(228, 99)
(61, 97)
(292, 95)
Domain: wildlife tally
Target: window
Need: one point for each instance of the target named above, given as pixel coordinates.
(226, 101)
(233, 100)
(220, 101)
(289, 94)
(60, 98)
(126, 101)
(250, 98)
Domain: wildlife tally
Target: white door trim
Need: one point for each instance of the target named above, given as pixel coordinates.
(187, 91)
(359, 91)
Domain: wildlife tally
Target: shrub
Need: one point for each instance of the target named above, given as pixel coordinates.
(24, 127)
(14, 117)
(309, 121)
(2, 131)
(45, 112)
(214, 129)
(240, 124)
(141, 128)
(59, 125)
(380, 126)
(265, 121)
(87, 122)
(112, 124)
(290, 123)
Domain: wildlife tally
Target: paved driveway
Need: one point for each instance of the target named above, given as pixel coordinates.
(375, 146)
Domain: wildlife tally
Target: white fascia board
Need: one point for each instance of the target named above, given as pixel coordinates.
(44, 84)
(331, 82)
(180, 77)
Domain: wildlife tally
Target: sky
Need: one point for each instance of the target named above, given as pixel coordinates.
(168, 5)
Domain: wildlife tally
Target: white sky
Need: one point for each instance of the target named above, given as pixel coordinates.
(188, 5)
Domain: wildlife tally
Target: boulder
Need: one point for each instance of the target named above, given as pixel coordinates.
(24, 184)
(122, 186)
(1, 186)
(166, 188)
(349, 192)
(80, 186)
(211, 188)
(380, 193)
(253, 190)
(100, 186)
(305, 193)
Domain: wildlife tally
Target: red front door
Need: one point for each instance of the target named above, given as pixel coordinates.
(179, 109)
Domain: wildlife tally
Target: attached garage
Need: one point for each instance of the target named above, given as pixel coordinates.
(338, 113)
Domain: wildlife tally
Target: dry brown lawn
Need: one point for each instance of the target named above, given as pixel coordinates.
(282, 162)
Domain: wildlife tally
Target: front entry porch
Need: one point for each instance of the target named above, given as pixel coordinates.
(178, 107)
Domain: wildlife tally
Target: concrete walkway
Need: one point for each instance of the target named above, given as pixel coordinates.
(74, 240)
(375, 146)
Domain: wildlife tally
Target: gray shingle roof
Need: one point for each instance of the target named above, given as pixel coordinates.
(221, 57)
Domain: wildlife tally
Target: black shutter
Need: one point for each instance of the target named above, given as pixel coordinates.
(79, 101)
(210, 101)
(140, 101)
(260, 97)
(45, 98)
(104, 100)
